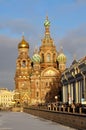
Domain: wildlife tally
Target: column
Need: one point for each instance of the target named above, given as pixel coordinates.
(81, 89)
(63, 93)
(79, 92)
(66, 93)
(77, 95)
(84, 86)
(72, 92)
(69, 93)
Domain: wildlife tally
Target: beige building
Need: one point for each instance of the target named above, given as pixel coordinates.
(34, 76)
(6, 97)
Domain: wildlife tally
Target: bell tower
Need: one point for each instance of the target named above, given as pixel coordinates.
(22, 81)
(48, 51)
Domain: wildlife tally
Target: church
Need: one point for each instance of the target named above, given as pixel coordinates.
(35, 75)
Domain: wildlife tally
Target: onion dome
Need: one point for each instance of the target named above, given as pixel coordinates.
(23, 44)
(47, 22)
(36, 58)
(61, 58)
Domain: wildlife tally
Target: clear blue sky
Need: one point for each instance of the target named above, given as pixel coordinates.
(68, 29)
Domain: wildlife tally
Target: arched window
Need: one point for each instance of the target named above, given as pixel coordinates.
(48, 57)
(42, 57)
(57, 64)
(37, 94)
(54, 57)
(23, 63)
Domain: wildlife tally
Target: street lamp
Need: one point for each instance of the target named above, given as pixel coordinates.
(56, 98)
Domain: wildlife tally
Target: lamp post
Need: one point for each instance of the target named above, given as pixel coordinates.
(56, 98)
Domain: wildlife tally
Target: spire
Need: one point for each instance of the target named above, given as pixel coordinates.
(47, 18)
(74, 59)
(74, 56)
(36, 50)
(47, 25)
(22, 35)
(61, 49)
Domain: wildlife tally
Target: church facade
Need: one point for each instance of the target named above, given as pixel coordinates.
(34, 76)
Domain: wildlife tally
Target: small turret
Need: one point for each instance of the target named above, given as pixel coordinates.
(62, 60)
(47, 22)
(36, 57)
(23, 44)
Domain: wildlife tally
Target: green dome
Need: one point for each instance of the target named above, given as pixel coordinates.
(61, 58)
(36, 58)
(47, 22)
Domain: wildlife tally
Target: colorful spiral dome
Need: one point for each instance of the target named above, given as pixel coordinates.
(47, 22)
(36, 58)
(61, 58)
(23, 44)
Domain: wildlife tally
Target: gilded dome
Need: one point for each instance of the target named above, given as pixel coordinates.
(61, 58)
(36, 58)
(23, 44)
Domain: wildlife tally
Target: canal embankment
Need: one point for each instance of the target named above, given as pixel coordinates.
(74, 120)
(24, 121)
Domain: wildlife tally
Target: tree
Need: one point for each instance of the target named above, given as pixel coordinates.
(55, 90)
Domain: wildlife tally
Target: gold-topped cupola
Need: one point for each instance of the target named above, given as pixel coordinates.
(23, 44)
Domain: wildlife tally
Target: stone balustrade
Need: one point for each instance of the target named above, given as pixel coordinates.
(60, 115)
